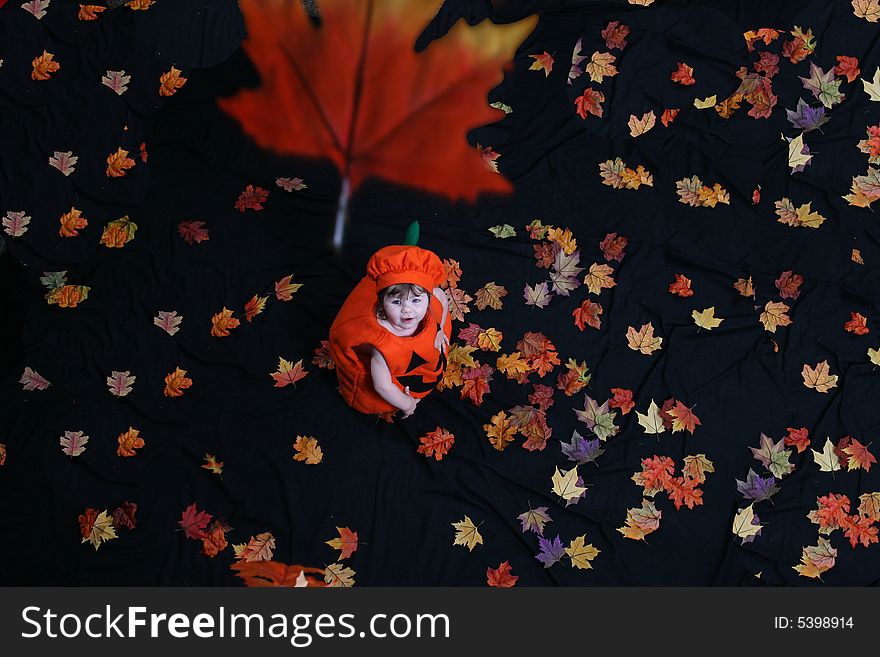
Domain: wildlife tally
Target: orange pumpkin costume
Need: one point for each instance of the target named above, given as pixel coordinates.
(413, 361)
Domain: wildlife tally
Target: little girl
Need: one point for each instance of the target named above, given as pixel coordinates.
(389, 340)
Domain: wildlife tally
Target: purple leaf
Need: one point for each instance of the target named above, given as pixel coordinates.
(538, 295)
(582, 450)
(805, 117)
(551, 551)
(756, 487)
(756, 521)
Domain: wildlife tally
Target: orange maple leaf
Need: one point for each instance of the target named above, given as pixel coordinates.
(623, 399)
(89, 12)
(685, 491)
(544, 62)
(212, 464)
(683, 75)
(214, 540)
(44, 66)
(222, 322)
(71, 222)
(436, 443)
(118, 163)
(501, 576)
(67, 296)
(452, 270)
(284, 289)
(347, 542)
(129, 442)
(859, 529)
(857, 324)
(681, 286)
(587, 314)
(668, 116)
(683, 418)
(500, 431)
(275, 573)
(799, 438)
(859, 456)
(536, 433)
(832, 512)
(569, 382)
(254, 307)
(307, 450)
(288, 372)
(176, 382)
(170, 82)
(353, 90)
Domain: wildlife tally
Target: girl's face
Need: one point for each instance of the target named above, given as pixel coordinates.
(404, 312)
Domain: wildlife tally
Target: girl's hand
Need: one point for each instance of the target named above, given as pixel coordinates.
(441, 342)
(415, 402)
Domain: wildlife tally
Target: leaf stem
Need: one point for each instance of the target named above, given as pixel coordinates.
(341, 214)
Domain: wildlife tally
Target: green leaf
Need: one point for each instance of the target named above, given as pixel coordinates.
(503, 231)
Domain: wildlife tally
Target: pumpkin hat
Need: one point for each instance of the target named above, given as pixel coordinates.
(406, 263)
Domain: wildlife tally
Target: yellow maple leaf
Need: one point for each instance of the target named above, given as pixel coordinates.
(581, 555)
(706, 103)
(774, 316)
(500, 431)
(816, 559)
(746, 288)
(869, 505)
(338, 576)
(706, 318)
(489, 339)
(564, 238)
(222, 322)
(696, 466)
(867, 9)
(601, 65)
(490, 296)
(513, 365)
(742, 523)
(820, 377)
(170, 82)
(874, 355)
(467, 534)
(643, 340)
(639, 126)
(827, 459)
(118, 163)
(102, 530)
(308, 450)
(259, 548)
(284, 289)
(461, 355)
(565, 485)
(599, 277)
(118, 233)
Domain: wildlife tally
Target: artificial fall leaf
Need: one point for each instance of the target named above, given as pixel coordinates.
(599, 277)
(799, 438)
(651, 421)
(338, 576)
(254, 307)
(589, 102)
(681, 286)
(64, 162)
(789, 285)
(857, 324)
(500, 431)
(118, 163)
(581, 555)
(819, 377)
(176, 382)
(615, 35)
(475, 383)
(601, 66)
(613, 246)
(285, 289)
(212, 464)
(869, 505)
(37, 8)
(489, 157)
(214, 540)
(872, 88)
(31, 380)
(259, 548)
(73, 443)
(691, 191)
(170, 82)
(831, 513)
(436, 443)
(668, 116)
(587, 314)
(490, 296)
(765, 34)
(706, 318)
(67, 296)
(773, 457)
(683, 75)
(120, 383)
(823, 86)
(222, 322)
(489, 340)
(277, 574)
(643, 340)
(291, 184)
(564, 238)
(706, 103)
(543, 62)
(859, 529)
(71, 222)
(118, 233)
(346, 542)
(168, 321)
(774, 315)
(816, 559)
(848, 67)
(865, 189)
(467, 534)
(323, 97)
(639, 126)
(15, 223)
(798, 154)
(512, 366)
(685, 492)
(696, 466)
(501, 577)
(193, 522)
(743, 523)
(683, 418)
(192, 231)
(2, 454)
(767, 64)
(124, 515)
(623, 399)
(565, 484)
(308, 450)
(874, 356)
(252, 198)
(458, 301)
(538, 295)
(728, 106)
(859, 456)
(827, 460)
(503, 231)
(800, 46)
(44, 66)
(641, 521)
(616, 174)
(96, 528)
(116, 81)
(867, 9)
(871, 145)
(128, 442)
(746, 288)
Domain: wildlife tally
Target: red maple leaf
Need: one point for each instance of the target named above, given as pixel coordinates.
(436, 443)
(194, 522)
(587, 314)
(842, 444)
(668, 116)
(683, 75)
(848, 66)
(470, 334)
(354, 90)
(681, 286)
(123, 515)
(789, 285)
(192, 231)
(275, 573)
(501, 576)
(615, 35)
(214, 539)
(664, 412)
(613, 246)
(683, 418)
(589, 102)
(684, 491)
(857, 324)
(832, 511)
(536, 432)
(859, 529)
(252, 198)
(657, 472)
(476, 383)
(542, 397)
(86, 521)
(623, 399)
(799, 438)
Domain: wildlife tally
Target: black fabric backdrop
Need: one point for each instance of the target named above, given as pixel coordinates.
(371, 479)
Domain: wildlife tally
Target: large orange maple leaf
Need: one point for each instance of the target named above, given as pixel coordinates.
(355, 91)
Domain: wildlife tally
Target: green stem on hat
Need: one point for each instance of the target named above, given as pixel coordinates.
(412, 234)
